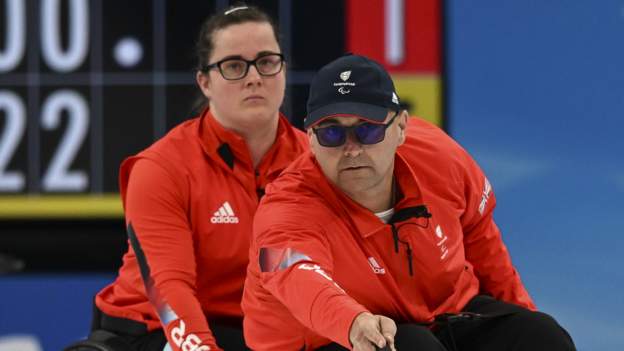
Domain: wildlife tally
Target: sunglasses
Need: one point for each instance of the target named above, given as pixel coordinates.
(366, 133)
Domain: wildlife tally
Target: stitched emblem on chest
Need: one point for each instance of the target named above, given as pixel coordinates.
(225, 214)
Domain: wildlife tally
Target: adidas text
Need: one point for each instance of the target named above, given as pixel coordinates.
(224, 220)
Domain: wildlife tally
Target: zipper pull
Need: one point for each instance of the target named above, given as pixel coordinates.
(395, 236)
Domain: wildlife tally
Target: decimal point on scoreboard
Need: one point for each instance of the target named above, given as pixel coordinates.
(128, 52)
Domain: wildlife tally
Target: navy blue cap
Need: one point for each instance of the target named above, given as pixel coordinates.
(351, 85)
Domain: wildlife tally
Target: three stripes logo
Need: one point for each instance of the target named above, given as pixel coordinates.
(224, 214)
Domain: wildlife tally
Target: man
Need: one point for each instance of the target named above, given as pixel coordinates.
(382, 236)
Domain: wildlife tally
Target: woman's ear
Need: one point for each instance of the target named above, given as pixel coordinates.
(203, 81)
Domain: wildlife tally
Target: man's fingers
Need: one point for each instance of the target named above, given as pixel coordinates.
(372, 332)
(366, 345)
(374, 336)
(388, 329)
(387, 326)
(389, 339)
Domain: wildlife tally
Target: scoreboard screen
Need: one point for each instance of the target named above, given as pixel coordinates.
(86, 83)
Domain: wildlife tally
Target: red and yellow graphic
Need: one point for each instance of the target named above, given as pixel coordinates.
(405, 37)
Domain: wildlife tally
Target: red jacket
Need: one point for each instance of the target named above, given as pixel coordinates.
(318, 259)
(190, 198)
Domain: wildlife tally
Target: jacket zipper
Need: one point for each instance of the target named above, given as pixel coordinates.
(395, 237)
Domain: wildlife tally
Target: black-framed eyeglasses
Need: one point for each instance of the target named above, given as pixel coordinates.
(366, 133)
(237, 68)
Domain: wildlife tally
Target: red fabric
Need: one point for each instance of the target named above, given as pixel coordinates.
(422, 33)
(457, 253)
(170, 192)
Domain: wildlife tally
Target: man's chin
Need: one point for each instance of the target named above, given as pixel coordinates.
(355, 180)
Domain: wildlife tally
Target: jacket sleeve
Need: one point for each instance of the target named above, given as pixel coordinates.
(302, 279)
(156, 214)
(484, 246)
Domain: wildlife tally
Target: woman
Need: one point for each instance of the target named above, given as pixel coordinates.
(189, 199)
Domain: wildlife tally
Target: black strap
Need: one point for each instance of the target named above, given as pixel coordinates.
(123, 325)
(409, 212)
(119, 325)
(112, 344)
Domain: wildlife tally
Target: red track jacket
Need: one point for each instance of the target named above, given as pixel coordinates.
(190, 199)
(318, 259)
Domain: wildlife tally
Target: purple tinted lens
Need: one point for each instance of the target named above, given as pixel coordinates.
(331, 136)
(369, 133)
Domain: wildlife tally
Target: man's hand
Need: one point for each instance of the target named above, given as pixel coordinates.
(368, 331)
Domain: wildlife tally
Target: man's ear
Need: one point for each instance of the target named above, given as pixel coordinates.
(402, 126)
(203, 81)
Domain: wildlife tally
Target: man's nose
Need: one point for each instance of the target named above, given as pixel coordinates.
(352, 146)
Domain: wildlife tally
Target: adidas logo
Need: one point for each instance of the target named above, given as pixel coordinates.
(224, 214)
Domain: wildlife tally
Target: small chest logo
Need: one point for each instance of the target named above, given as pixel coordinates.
(345, 75)
(225, 214)
(375, 266)
(442, 243)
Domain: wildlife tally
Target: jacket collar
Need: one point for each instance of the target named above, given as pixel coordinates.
(230, 150)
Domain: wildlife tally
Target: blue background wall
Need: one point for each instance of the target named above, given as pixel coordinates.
(537, 96)
(46, 312)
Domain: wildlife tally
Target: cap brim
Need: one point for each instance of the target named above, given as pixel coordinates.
(369, 112)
